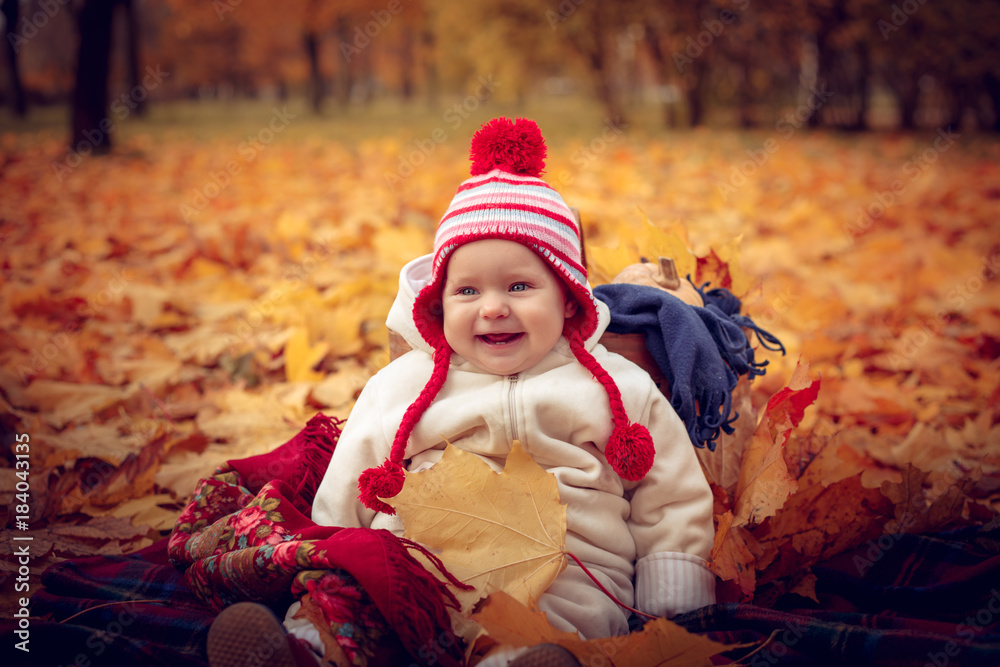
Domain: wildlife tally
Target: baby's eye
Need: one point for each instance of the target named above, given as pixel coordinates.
(518, 287)
(467, 291)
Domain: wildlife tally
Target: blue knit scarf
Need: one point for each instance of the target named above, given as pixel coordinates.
(702, 352)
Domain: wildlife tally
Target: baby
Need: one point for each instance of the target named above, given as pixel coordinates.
(504, 329)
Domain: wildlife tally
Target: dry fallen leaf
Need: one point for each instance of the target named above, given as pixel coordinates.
(301, 357)
(764, 482)
(495, 532)
(660, 642)
(816, 523)
(923, 503)
(732, 557)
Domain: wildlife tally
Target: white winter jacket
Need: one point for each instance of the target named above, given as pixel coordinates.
(647, 541)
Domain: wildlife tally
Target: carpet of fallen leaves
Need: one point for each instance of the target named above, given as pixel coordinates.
(179, 303)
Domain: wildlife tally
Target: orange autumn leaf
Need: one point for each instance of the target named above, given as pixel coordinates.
(66, 402)
(816, 523)
(925, 502)
(660, 642)
(732, 558)
(510, 622)
(653, 242)
(764, 482)
(722, 267)
(495, 532)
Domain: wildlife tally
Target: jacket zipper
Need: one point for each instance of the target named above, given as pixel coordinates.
(511, 385)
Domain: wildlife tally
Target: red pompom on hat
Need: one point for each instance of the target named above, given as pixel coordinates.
(506, 199)
(516, 147)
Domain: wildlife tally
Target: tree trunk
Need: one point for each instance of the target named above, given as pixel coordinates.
(605, 90)
(958, 101)
(746, 96)
(824, 68)
(991, 84)
(132, 26)
(11, 11)
(91, 124)
(861, 75)
(907, 97)
(596, 57)
(316, 83)
(695, 92)
(406, 64)
(345, 72)
(427, 41)
(656, 52)
(364, 87)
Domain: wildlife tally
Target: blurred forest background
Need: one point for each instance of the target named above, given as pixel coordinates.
(906, 64)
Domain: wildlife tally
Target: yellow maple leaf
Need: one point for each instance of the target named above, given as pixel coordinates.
(603, 263)
(495, 532)
(644, 240)
(655, 242)
(300, 357)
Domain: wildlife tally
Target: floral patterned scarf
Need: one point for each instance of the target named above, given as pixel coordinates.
(246, 535)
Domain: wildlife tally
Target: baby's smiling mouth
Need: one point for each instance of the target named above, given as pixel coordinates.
(500, 338)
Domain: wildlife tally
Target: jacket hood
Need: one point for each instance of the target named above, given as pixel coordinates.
(416, 274)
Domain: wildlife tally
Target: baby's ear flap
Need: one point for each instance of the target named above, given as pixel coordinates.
(571, 306)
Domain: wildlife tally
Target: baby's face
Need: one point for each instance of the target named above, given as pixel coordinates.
(504, 308)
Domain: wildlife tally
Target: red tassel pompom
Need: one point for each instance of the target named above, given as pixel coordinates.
(516, 147)
(384, 481)
(630, 451)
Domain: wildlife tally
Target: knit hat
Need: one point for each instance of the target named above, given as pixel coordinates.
(506, 199)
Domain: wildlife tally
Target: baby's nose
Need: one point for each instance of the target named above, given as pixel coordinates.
(493, 306)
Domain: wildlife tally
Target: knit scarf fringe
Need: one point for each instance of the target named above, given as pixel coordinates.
(721, 317)
(317, 442)
(423, 601)
(714, 338)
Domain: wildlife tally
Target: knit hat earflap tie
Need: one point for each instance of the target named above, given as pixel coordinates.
(386, 480)
(630, 449)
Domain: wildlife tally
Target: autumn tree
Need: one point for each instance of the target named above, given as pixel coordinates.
(591, 29)
(507, 40)
(938, 63)
(90, 121)
(132, 56)
(954, 45)
(684, 40)
(11, 12)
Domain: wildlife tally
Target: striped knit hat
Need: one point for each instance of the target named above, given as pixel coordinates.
(506, 199)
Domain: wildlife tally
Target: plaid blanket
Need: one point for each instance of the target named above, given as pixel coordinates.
(909, 600)
(133, 610)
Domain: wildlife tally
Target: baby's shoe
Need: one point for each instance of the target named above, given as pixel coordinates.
(248, 634)
(544, 655)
